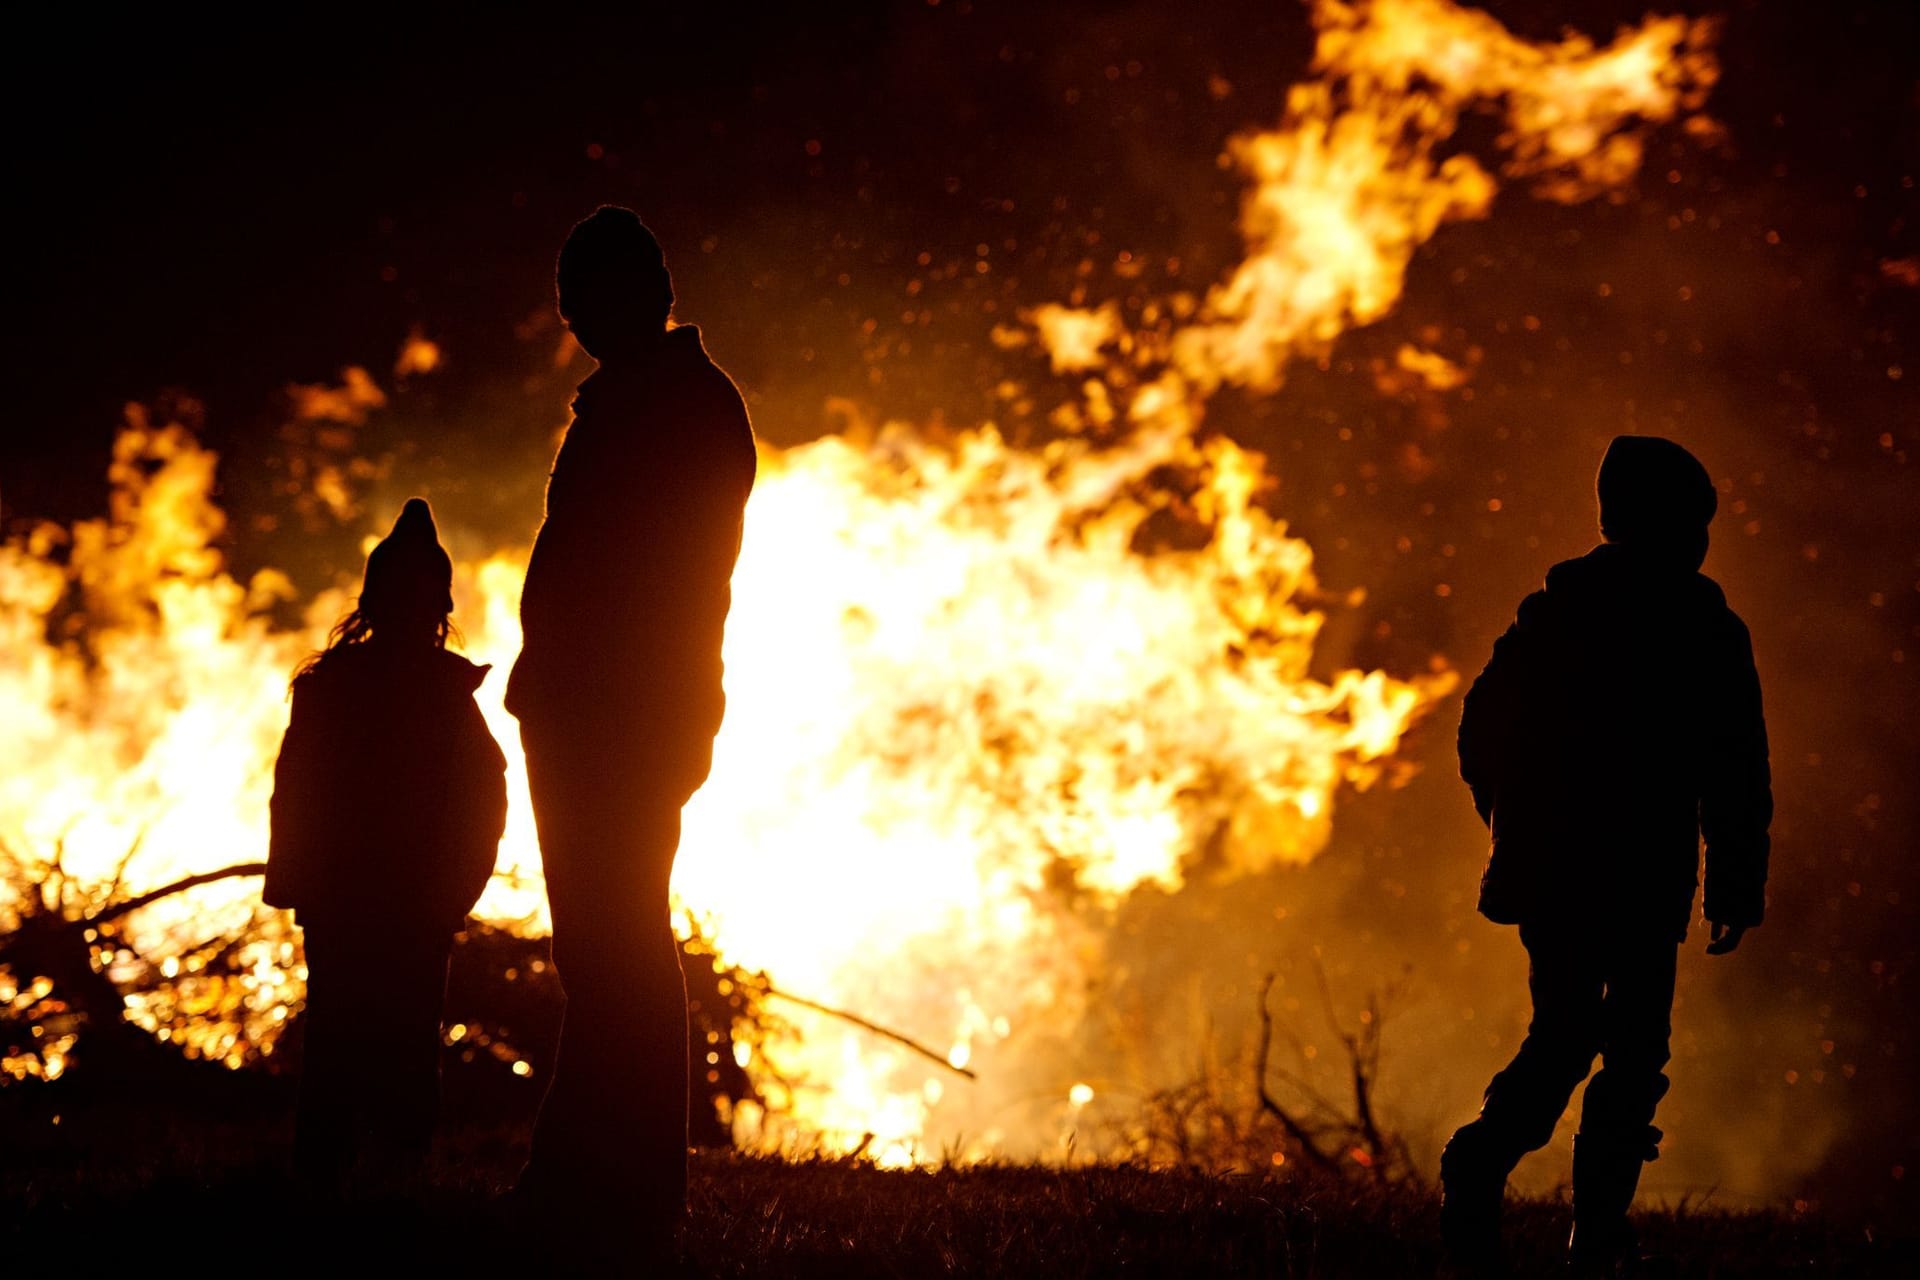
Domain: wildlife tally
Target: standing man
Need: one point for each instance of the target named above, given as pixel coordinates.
(618, 693)
(1617, 723)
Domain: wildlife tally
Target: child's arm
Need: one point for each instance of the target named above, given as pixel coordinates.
(1736, 795)
(292, 812)
(477, 814)
(1486, 718)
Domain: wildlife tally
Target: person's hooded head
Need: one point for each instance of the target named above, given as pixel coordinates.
(614, 290)
(409, 583)
(1655, 497)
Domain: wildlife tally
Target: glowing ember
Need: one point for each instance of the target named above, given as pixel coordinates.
(973, 700)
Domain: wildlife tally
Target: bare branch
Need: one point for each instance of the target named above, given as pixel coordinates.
(126, 860)
(864, 1024)
(1286, 1119)
(1363, 1051)
(114, 912)
(1363, 1109)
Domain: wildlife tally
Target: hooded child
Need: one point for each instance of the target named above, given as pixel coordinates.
(389, 801)
(1617, 723)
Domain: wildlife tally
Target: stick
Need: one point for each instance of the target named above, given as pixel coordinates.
(1295, 1130)
(865, 1025)
(133, 904)
(1359, 1058)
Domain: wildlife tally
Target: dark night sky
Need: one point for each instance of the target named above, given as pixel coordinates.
(223, 210)
(220, 210)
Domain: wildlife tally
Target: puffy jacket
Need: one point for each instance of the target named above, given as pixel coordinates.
(1618, 722)
(389, 796)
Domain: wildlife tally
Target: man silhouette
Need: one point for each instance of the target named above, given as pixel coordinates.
(1617, 722)
(618, 693)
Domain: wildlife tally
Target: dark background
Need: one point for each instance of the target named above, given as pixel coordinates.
(208, 210)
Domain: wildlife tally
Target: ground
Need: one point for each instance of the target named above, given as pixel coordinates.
(122, 1179)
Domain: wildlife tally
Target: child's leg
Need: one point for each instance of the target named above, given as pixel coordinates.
(1526, 1099)
(401, 1090)
(1637, 1017)
(324, 1123)
(1617, 1136)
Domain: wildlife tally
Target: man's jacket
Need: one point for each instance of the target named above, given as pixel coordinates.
(1618, 722)
(627, 592)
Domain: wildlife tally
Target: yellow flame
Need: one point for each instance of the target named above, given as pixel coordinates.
(1347, 185)
(1073, 336)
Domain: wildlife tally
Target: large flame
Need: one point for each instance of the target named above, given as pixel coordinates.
(976, 694)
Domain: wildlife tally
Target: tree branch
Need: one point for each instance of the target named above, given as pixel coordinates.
(1293, 1127)
(864, 1024)
(114, 912)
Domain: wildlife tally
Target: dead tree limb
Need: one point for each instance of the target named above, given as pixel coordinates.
(115, 910)
(1362, 1054)
(886, 1033)
(1286, 1119)
(126, 860)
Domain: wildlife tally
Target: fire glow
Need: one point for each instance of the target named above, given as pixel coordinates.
(972, 702)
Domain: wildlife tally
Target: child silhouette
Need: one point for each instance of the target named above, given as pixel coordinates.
(1617, 723)
(389, 800)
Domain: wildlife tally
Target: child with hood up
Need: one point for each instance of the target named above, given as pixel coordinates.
(389, 801)
(1616, 727)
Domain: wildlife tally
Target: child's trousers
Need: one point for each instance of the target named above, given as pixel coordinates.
(370, 1081)
(1595, 993)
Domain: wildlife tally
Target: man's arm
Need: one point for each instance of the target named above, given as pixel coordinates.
(1736, 796)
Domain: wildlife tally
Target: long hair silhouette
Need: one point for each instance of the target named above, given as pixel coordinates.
(408, 585)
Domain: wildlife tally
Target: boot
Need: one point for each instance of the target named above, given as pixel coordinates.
(1473, 1185)
(1606, 1172)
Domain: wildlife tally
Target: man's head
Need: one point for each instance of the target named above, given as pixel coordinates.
(615, 293)
(1655, 496)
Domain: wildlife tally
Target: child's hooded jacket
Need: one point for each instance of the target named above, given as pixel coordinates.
(1619, 721)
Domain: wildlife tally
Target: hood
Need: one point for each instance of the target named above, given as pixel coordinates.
(1616, 569)
(408, 572)
(1656, 497)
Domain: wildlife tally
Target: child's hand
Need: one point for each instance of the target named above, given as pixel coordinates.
(1723, 938)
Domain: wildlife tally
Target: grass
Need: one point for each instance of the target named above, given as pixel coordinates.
(119, 1182)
